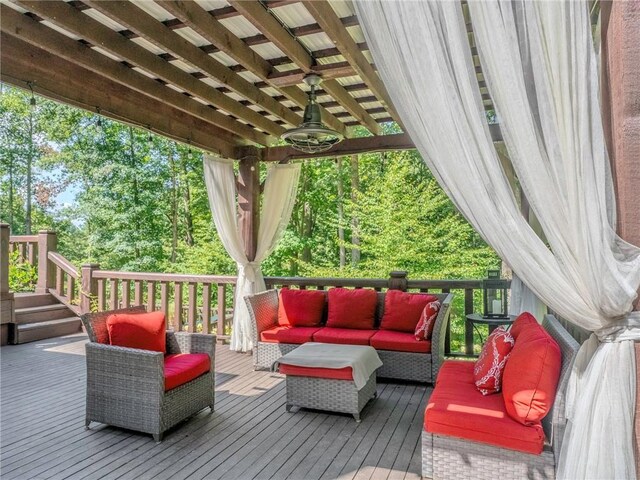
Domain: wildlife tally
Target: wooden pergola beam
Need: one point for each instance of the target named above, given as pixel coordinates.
(24, 66)
(333, 27)
(214, 31)
(146, 26)
(279, 36)
(21, 26)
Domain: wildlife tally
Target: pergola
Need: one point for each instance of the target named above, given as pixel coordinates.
(226, 77)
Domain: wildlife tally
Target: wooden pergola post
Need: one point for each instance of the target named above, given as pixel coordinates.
(621, 114)
(6, 296)
(249, 204)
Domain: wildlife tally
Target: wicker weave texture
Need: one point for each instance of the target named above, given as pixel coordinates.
(329, 394)
(405, 366)
(266, 354)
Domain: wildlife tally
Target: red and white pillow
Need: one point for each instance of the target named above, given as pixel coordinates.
(490, 365)
(424, 328)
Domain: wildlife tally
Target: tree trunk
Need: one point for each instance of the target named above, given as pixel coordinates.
(307, 231)
(343, 253)
(132, 159)
(174, 206)
(10, 219)
(27, 218)
(188, 218)
(355, 223)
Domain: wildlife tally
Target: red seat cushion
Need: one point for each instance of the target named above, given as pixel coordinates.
(347, 336)
(146, 331)
(424, 328)
(345, 373)
(301, 308)
(399, 342)
(402, 310)
(493, 358)
(297, 335)
(456, 408)
(531, 376)
(352, 308)
(181, 368)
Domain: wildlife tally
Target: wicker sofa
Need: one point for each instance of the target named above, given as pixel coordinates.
(126, 386)
(402, 365)
(447, 456)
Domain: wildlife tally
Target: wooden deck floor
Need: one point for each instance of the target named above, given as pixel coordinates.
(250, 435)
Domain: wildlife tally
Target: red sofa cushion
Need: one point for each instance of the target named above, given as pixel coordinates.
(456, 408)
(345, 373)
(181, 368)
(352, 308)
(348, 336)
(424, 328)
(301, 308)
(297, 335)
(525, 320)
(399, 342)
(531, 376)
(402, 310)
(493, 358)
(146, 331)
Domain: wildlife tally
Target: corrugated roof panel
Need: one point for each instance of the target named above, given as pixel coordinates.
(103, 19)
(268, 51)
(153, 9)
(107, 54)
(144, 72)
(287, 67)
(13, 5)
(356, 33)
(211, 82)
(240, 26)
(294, 15)
(61, 30)
(173, 87)
(183, 66)
(317, 41)
(224, 59)
(335, 109)
(343, 8)
(271, 91)
(367, 55)
(353, 80)
(212, 4)
(235, 96)
(249, 76)
(368, 105)
(332, 59)
(193, 36)
(147, 45)
(198, 99)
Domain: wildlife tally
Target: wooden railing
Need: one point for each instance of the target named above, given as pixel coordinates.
(27, 246)
(67, 282)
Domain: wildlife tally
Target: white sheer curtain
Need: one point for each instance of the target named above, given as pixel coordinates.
(552, 129)
(280, 189)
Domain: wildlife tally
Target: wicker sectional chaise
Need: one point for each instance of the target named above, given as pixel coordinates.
(401, 365)
(455, 456)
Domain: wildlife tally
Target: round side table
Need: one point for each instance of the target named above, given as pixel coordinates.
(476, 318)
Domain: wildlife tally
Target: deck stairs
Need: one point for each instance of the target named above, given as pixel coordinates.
(39, 316)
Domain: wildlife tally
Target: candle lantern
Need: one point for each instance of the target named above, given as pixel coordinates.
(494, 292)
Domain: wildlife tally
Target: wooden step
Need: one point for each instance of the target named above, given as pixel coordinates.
(30, 332)
(26, 300)
(42, 313)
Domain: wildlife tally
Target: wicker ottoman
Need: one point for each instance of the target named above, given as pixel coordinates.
(316, 389)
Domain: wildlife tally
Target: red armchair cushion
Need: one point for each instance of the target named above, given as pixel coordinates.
(181, 368)
(146, 331)
(402, 310)
(456, 408)
(531, 376)
(345, 373)
(352, 308)
(489, 367)
(297, 335)
(346, 336)
(301, 308)
(399, 342)
(424, 328)
(525, 320)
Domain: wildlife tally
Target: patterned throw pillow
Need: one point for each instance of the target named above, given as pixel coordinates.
(493, 358)
(424, 328)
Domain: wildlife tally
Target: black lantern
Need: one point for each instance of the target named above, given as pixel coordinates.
(494, 293)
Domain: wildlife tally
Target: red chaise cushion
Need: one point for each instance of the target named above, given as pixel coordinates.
(456, 408)
(345, 373)
(531, 376)
(181, 368)
(297, 335)
(352, 308)
(301, 308)
(348, 336)
(402, 310)
(146, 331)
(399, 342)
(489, 367)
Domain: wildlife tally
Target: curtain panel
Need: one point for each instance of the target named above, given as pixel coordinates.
(541, 72)
(280, 189)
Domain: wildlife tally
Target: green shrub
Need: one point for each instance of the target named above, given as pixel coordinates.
(22, 275)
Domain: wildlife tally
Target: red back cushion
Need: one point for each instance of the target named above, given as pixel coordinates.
(300, 308)
(489, 367)
(138, 330)
(525, 320)
(531, 376)
(424, 328)
(352, 308)
(402, 310)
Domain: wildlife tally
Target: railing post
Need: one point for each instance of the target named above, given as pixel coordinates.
(398, 280)
(47, 242)
(6, 297)
(89, 286)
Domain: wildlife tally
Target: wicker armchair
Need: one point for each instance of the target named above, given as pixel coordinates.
(125, 386)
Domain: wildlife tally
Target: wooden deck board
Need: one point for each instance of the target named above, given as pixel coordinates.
(250, 435)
